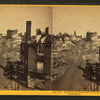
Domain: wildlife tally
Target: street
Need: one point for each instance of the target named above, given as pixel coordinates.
(73, 78)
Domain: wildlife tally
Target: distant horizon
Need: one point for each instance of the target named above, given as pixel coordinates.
(77, 34)
(79, 19)
(62, 19)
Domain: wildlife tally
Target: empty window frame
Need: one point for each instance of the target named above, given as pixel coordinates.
(40, 67)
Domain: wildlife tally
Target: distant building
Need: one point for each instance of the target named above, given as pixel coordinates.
(0, 35)
(75, 37)
(91, 35)
(11, 33)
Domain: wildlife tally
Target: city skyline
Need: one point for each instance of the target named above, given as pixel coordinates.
(62, 19)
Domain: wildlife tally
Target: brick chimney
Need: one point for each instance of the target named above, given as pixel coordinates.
(28, 30)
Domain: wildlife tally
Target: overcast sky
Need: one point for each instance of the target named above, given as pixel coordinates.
(15, 17)
(79, 19)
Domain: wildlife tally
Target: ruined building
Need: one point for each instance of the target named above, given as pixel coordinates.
(91, 35)
(10, 33)
(36, 56)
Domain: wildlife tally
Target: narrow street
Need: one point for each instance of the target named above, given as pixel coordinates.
(73, 78)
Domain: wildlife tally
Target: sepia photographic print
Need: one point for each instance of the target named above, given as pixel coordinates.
(76, 49)
(25, 52)
(50, 48)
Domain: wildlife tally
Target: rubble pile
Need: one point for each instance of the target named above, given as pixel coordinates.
(63, 50)
(58, 64)
(92, 52)
(61, 58)
(39, 84)
(10, 48)
(13, 52)
(2, 51)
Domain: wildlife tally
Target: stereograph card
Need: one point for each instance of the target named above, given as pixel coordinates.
(49, 50)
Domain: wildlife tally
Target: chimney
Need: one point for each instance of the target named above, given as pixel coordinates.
(75, 33)
(47, 30)
(28, 30)
(38, 32)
